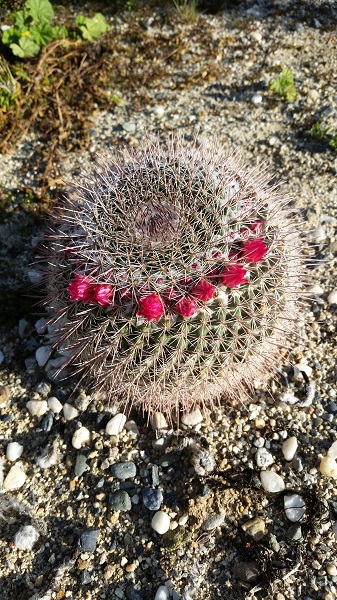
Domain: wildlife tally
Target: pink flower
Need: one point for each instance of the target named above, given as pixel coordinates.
(151, 307)
(233, 275)
(203, 291)
(186, 307)
(81, 288)
(253, 251)
(103, 294)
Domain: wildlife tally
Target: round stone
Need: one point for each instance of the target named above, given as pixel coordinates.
(120, 500)
(263, 458)
(332, 297)
(193, 418)
(257, 99)
(152, 498)
(70, 412)
(54, 405)
(289, 448)
(316, 290)
(42, 354)
(115, 425)
(81, 465)
(13, 451)
(328, 467)
(332, 570)
(212, 522)
(88, 540)
(37, 408)
(294, 507)
(124, 470)
(272, 482)
(158, 421)
(256, 528)
(81, 437)
(160, 522)
(332, 452)
(159, 111)
(25, 537)
(162, 593)
(47, 422)
(15, 478)
(129, 127)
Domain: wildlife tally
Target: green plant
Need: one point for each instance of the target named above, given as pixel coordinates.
(172, 277)
(9, 86)
(92, 29)
(317, 132)
(333, 142)
(186, 9)
(32, 29)
(283, 85)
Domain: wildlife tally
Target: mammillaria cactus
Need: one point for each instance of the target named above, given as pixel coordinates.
(172, 276)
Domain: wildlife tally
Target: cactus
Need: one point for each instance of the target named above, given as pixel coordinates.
(172, 276)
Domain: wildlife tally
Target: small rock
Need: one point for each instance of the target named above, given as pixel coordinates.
(332, 452)
(42, 354)
(263, 458)
(48, 456)
(4, 394)
(41, 325)
(313, 95)
(124, 470)
(162, 593)
(132, 593)
(328, 467)
(158, 421)
(25, 537)
(15, 478)
(54, 405)
(332, 297)
(159, 111)
(152, 499)
(88, 540)
(81, 465)
(13, 451)
(246, 571)
(160, 443)
(70, 412)
(120, 500)
(212, 522)
(272, 482)
(332, 570)
(129, 127)
(37, 408)
(289, 398)
(315, 290)
(34, 276)
(318, 234)
(257, 99)
(193, 418)
(256, 35)
(160, 522)
(81, 437)
(47, 422)
(25, 328)
(289, 448)
(294, 507)
(256, 528)
(115, 425)
(294, 533)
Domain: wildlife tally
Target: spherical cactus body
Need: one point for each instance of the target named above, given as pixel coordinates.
(172, 275)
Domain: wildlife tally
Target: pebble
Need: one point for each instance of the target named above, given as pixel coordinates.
(332, 570)
(4, 394)
(272, 482)
(25, 328)
(294, 533)
(116, 424)
(129, 127)
(294, 507)
(316, 290)
(263, 458)
(34, 276)
(152, 498)
(88, 540)
(332, 452)
(193, 418)
(70, 412)
(332, 297)
(54, 405)
(25, 537)
(47, 422)
(160, 443)
(13, 451)
(159, 111)
(161, 522)
(257, 99)
(162, 593)
(289, 398)
(15, 478)
(328, 467)
(318, 234)
(212, 522)
(81, 437)
(256, 528)
(42, 354)
(124, 470)
(246, 571)
(120, 500)
(158, 421)
(289, 448)
(37, 408)
(256, 35)
(81, 465)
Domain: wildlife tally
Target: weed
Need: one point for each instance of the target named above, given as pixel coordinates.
(92, 29)
(283, 85)
(333, 142)
(9, 87)
(317, 132)
(186, 9)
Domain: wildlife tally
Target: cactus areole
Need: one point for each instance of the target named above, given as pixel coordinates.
(171, 276)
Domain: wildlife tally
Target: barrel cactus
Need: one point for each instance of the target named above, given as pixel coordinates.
(171, 276)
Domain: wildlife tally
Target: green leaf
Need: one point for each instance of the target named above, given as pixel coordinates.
(92, 29)
(40, 10)
(41, 34)
(80, 20)
(17, 51)
(291, 93)
(26, 47)
(10, 36)
(59, 32)
(22, 19)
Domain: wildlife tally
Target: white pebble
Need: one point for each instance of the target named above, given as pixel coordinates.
(116, 424)
(159, 111)
(332, 452)
(37, 408)
(193, 418)
(272, 482)
(289, 448)
(316, 289)
(158, 421)
(318, 235)
(42, 354)
(256, 35)
(15, 478)
(70, 412)
(289, 398)
(183, 520)
(332, 297)
(294, 507)
(257, 99)
(332, 570)
(13, 451)
(162, 593)
(25, 538)
(263, 458)
(81, 437)
(54, 405)
(160, 522)
(328, 467)
(303, 368)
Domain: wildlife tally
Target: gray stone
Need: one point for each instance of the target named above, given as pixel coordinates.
(120, 500)
(129, 127)
(294, 533)
(246, 571)
(88, 540)
(81, 465)
(124, 470)
(152, 499)
(47, 422)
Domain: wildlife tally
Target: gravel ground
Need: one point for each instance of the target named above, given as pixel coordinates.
(216, 83)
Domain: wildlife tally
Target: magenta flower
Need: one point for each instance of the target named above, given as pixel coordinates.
(81, 288)
(151, 307)
(253, 251)
(104, 294)
(186, 307)
(233, 275)
(203, 291)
